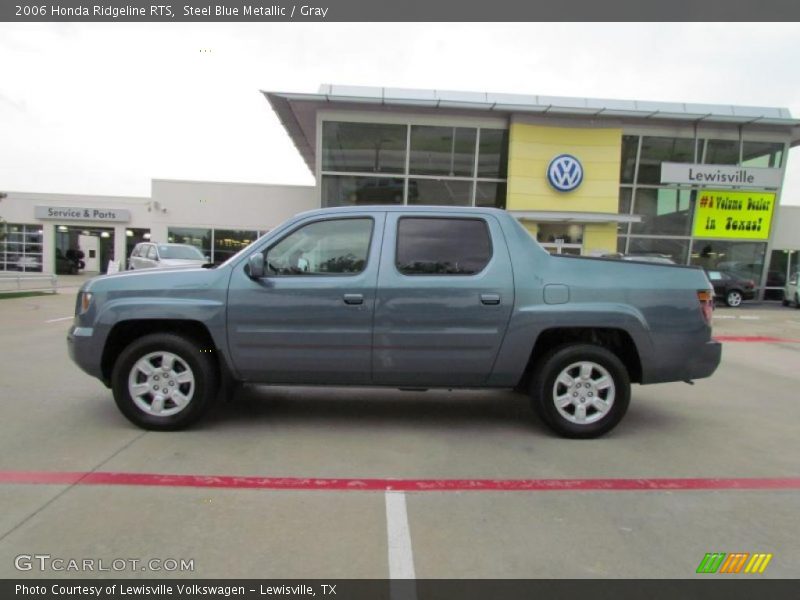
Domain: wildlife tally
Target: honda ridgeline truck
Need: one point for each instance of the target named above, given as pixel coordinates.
(402, 297)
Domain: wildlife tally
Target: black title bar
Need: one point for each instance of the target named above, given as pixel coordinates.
(708, 587)
(398, 10)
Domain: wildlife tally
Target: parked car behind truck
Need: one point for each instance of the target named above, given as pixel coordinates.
(731, 288)
(403, 297)
(149, 255)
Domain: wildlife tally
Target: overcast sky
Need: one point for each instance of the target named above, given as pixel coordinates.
(103, 108)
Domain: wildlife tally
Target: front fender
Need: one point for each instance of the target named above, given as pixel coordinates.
(209, 312)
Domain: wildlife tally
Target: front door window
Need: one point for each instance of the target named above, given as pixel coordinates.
(322, 248)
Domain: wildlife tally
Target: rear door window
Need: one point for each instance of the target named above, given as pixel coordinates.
(442, 246)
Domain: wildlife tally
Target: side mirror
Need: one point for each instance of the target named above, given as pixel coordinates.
(255, 265)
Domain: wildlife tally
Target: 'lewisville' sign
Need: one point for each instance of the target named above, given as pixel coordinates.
(720, 175)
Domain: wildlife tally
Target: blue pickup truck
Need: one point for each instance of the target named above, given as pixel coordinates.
(403, 297)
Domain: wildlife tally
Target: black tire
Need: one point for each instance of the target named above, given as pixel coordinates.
(204, 388)
(733, 298)
(785, 302)
(543, 388)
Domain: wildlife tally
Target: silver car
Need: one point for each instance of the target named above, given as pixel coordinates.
(149, 255)
(791, 293)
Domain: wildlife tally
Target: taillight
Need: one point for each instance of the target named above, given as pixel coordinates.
(706, 299)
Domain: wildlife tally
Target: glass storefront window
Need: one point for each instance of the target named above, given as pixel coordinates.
(630, 146)
(568, 233)
(228, 242)
(780, 269)
(675, 249)
(625, 199)
(440, 192)
(442, 151)
(363, 147)
(665, 211)
(134, 236)
(21, 247)
(342, 190)
(743, 259)
(491, 193)
(656, 150)
(722, 152)
(762, 154)
(437, 165)
(199, 238)
(493, 154)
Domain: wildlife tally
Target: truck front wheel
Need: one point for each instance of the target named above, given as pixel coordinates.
(580, 390)
(164, 381)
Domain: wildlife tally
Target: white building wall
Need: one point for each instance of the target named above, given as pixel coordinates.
(19, 207)
(225, 205)
(172, 204)
(787, 229)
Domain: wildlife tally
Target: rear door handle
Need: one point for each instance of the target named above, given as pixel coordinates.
(353, 299)
(490, 299)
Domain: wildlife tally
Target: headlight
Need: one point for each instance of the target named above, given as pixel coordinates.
(85, 301)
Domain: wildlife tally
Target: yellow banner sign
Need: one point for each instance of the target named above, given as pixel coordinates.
(733, 215)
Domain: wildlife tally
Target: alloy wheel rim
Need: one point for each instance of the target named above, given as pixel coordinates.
(734, 299)
(583, 392)
(161, 384)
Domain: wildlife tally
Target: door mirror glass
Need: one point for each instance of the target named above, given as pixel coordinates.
(255, 266)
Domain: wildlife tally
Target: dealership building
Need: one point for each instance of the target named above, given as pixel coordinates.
(698, 183)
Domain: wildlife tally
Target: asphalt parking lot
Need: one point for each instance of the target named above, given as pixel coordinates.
(742, 423)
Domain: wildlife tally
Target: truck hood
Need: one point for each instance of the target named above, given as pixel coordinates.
(163, 280)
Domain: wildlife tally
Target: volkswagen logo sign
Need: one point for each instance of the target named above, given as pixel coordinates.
(565, 172)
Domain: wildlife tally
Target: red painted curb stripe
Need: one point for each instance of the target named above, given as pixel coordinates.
(754, 338)
(405, 485)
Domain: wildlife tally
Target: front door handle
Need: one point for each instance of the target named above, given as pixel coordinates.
(353, 299)
(490, 299)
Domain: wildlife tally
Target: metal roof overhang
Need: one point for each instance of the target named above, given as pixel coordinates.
(545, 216)
(297, 111)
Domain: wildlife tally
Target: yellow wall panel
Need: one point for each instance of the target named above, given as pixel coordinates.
(532, 147)
(600, 154)
(600, 237)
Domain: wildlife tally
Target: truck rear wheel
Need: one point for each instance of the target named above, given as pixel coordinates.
(580, 390)
(164, 382)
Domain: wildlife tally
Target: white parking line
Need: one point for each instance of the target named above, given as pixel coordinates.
(59, 319)
(401, 559)
(751, 318)
(724, 317)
